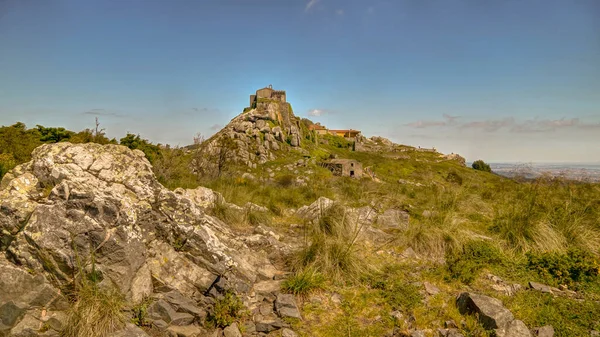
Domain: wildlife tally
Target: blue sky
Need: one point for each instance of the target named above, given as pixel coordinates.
(499, 80)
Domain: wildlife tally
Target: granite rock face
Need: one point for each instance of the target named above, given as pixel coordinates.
(492, 315)
(253, 137)
(76, 202)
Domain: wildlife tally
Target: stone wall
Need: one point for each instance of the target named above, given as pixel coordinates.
(264, 93)
(344, 167)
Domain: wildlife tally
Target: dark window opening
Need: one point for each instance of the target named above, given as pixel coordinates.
(352, 173)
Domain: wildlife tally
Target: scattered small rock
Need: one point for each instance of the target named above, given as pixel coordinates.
(516, 328)
(417, 333)
(186, 331)
(288, 333)
(451, 324)
(544, 331)
(409, 253)
(431, 289)
(336, 298)
(285, 304)
(540, 287)
(232, 331)
(160, 324)
(396, 314)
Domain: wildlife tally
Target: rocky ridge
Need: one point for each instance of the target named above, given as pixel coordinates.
(253, 137)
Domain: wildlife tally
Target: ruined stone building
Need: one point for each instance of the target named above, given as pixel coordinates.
(344, 167)
(322, 130)
(319, 129)
(348, 134)
(269, 93)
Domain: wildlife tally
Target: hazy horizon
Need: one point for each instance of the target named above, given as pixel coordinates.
(502, 81)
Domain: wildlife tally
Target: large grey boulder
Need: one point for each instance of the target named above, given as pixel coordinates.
(314, 211)
(393, 219)
(77, 203)
(492, 315)
(491, 311)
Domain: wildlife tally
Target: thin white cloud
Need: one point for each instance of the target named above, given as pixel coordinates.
(310, 4)
(448, 120)
(101, 112)
(426, 124)
(511, 124)
(319, 112)
(339, 12)
(216, 127)
(315, 112)
(490, 125)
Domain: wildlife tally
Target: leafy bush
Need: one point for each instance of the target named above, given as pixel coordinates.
(285, 180)
(395, 288)
(402, 296)
(140, 313)
(569, 317)
(475, 255)
(480, 165)
(226, 310)
(7, 163)
(455, 178)
(133, 142)
(574, 267)
(54, 135)
(304, 282)
(337, 141)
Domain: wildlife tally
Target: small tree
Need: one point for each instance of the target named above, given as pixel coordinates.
(480, 165)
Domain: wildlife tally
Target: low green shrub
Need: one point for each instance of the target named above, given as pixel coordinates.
(226, 310)
(285, 180)
(480, 165)
(140, 313)
(395, 288)
(569, 317)
(572, 268)
(455, 178)
(402, 296)
(466, 264)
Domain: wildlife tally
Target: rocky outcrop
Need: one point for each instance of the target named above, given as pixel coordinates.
(77, 207)
(253, 137)
(456, 157)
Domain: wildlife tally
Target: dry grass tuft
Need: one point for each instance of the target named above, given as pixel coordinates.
(96, 312)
